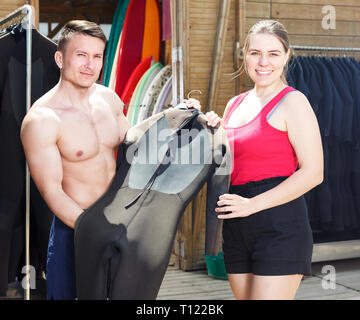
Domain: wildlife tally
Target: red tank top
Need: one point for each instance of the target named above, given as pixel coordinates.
(259, 150)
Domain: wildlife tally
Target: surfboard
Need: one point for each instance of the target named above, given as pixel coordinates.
(143, 88)
(112, 79)
(151, 39)
(130, 110)
(153, 92)
(162, 95)
(145, 81)
(134, 79)
(130, 51)
(142, 93)
(115, 31)
(167, 102)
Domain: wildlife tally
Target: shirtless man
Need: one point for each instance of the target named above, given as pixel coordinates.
(69, 137)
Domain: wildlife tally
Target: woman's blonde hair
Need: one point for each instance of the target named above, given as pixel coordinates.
(271, 27)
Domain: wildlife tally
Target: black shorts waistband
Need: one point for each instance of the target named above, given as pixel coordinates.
(240, 188)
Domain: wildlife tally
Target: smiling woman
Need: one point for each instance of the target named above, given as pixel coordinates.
(270, 51)
(267, 239)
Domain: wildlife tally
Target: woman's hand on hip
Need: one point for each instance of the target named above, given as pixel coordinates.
(235, 206)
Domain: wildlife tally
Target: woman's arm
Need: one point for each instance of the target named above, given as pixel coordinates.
(304, 135)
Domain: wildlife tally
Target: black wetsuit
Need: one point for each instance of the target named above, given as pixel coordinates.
(45, 75)
(123, 241)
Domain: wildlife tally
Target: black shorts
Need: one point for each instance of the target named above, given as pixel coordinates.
(276, 241)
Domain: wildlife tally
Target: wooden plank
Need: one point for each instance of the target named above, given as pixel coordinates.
(255, 9)
(312, 12)
(224, 13)
(258, 9)
(328, 41)
(239, 37)
(310, 27)
(201, 4)
(336, 251)
(180, 285)
(10, 6)
(352, 3)
(60, 25)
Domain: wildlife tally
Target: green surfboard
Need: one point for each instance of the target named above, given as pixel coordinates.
(145, 81)
(116, 27)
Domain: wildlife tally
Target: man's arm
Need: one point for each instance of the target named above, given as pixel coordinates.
(39, 133)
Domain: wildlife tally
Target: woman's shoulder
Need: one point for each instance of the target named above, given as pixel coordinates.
(296, 104)
(296, 97)
(232, 100)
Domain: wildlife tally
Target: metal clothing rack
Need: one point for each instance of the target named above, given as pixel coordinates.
(25, 14)
(335, 250)
(314, 48)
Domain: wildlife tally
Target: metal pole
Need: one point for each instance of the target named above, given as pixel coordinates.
(177, 51)
(28, 23)
(9, 19)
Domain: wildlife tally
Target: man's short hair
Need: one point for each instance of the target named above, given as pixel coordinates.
(79, 26)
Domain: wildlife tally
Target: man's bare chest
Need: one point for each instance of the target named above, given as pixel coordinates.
(83, 135)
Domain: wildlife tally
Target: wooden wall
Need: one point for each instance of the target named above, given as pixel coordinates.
(303, 20)
(8, 6)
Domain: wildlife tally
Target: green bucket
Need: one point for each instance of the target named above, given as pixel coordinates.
(216, 266)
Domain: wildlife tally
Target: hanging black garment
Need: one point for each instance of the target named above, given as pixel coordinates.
(297, 74)
(354, 68)
(310, 79)
(45, 74)
(334, 95)
(123, 242)
(355, 151)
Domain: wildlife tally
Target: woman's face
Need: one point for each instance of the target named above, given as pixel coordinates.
(265, 59)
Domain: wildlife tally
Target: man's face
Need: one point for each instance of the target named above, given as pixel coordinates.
(82, 60)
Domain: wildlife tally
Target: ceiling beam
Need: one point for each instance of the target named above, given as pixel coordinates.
(95, 10)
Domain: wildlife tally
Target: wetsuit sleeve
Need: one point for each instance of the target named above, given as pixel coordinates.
(217, 185)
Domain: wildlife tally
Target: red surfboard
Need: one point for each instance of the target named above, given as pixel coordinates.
(133, 80)
(130, 51)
